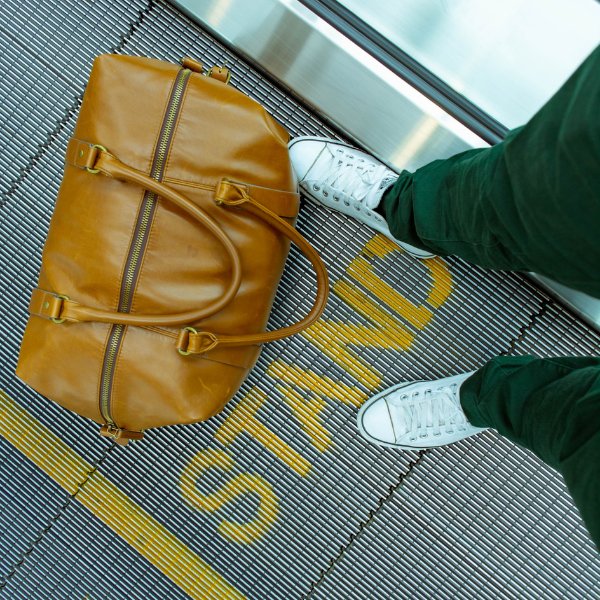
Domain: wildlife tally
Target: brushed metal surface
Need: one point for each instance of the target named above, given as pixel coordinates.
(587, 307)
(341, 81)
(507, 57)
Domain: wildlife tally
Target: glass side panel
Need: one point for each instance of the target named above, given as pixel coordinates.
(506, 57)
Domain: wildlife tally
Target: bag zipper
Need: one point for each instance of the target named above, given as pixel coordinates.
(138, 246)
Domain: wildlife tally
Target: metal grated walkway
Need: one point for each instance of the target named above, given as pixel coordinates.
(277, 497)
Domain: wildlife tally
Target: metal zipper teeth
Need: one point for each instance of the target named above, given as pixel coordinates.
(139, 244)
(110, 355)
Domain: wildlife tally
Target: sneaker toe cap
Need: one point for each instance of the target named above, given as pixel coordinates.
(303, 154)
(375, 423)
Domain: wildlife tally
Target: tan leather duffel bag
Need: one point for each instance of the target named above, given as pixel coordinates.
(168, 240)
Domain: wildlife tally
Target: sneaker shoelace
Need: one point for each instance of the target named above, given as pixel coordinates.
(351, 175)
(429, 412)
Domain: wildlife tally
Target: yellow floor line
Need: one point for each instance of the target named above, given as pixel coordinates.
(114, 508)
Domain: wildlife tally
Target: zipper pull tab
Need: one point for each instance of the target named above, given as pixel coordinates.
(121, 436)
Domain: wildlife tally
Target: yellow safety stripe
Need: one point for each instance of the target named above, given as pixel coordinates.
(114, 508)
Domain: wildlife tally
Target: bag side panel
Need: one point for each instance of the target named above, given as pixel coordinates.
(62, 362)
(156, 386)
(91, 229)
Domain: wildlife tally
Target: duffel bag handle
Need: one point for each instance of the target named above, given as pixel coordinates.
(96, 159)
(234, 194)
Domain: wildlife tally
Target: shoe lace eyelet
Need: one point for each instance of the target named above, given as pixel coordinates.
(325, 193)
(316, 187)
(346, 203)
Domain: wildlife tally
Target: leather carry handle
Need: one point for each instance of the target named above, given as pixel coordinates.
(231, 193)
(95, 159)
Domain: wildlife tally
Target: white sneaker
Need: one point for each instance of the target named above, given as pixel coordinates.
(417, 415)
(345, 179)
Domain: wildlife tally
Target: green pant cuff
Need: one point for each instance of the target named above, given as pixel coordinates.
(468, 395)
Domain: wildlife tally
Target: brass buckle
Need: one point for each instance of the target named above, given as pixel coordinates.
(55, 319)
(98, 147)
(187, 352)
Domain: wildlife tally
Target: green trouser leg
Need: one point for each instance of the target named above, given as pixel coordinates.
(552, 407)
(530, 203)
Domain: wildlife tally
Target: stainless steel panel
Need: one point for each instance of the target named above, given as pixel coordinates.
(507, 57)
(340, 80)
(587, 307)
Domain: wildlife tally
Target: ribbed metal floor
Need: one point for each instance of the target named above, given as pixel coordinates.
(327, 516)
